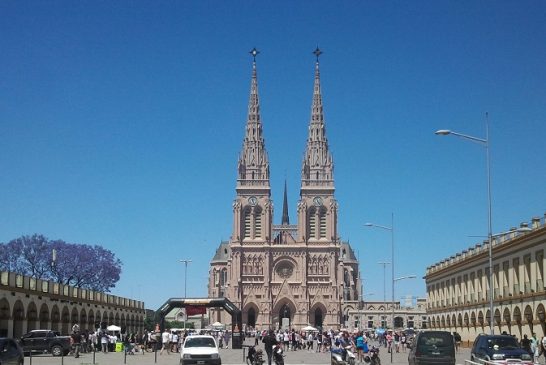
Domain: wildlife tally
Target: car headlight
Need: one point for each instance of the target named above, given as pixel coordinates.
(525, 357)
(498, 357)
(186, 356)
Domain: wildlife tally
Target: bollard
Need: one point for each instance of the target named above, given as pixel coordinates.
(125, 358)
(94, 350)
(30, 355)
(155, 352)
(244, 350)
(62, 358)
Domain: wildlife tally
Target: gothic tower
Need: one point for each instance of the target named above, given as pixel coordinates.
(252, 208)
(317, 208)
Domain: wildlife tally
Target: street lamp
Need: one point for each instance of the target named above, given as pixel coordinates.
(384, 263)
(186, 262)
(391, 229)
(485, 143)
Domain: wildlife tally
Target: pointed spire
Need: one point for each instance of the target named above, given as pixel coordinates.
(253, 161)
(318, 166)
(285, 218)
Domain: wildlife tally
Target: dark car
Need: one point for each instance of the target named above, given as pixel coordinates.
(432, 348)
(10, 352)
(499, 349)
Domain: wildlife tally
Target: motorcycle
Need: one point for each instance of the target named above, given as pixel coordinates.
(343, 356)
(373, 357)
(278, 355)
(254, 357)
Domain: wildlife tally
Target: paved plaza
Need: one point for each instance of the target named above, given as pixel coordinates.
(229, 356)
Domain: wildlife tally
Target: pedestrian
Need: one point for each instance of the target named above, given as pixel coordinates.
(166, 342)
(535, 348)
(75, 340)
(269, 341)
(104, 342)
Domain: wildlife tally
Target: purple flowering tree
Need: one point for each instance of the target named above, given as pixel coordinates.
(80, 265)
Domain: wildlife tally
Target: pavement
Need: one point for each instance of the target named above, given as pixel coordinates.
(229, 357)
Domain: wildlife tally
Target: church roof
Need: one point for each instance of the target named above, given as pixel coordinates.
(349, 253)
(222, 253)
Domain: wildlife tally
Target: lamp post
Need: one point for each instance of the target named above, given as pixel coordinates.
(186, 262)
(485, 143)
(391, 229)
(384, 263)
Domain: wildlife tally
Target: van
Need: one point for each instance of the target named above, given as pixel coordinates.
(432, 348)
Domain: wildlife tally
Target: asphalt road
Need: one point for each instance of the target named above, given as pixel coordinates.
(229, 357)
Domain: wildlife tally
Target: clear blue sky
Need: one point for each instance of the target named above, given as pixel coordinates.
(121, 124)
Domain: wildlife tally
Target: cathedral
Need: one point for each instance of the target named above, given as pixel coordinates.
(287, 275)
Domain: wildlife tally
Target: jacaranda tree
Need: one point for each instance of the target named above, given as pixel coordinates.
(80, 265)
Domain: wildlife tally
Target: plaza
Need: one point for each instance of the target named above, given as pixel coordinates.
(229, 357)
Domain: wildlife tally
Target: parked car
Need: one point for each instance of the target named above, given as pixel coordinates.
(10, 352)
(500, 349)
(45, 341)
(199, 350)
(432, 348)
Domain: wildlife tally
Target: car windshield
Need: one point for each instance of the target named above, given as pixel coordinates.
(436, 344)
(199, 342)
(502, 342)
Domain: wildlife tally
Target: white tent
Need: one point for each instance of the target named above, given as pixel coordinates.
(309, 328)
(113, 328)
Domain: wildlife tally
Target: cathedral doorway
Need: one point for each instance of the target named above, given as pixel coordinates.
(284, 316)
(318, 318)
(251, 321)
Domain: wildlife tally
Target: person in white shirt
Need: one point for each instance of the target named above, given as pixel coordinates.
(166, 342)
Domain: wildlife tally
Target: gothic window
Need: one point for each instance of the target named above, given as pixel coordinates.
(223, 277)
(312, 223)
(257, 222)
(247, 222)
(322, 220)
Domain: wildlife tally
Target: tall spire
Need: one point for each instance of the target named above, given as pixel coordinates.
(253, 167)
(318, 166)
(285, 218)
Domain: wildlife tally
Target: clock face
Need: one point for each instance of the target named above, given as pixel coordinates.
(252, 201)
(317, 201)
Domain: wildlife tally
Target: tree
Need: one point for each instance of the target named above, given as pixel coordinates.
(80, 265)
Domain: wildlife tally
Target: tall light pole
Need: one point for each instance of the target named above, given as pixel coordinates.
(186, 262)
(391, 229)
(384, 263)
(485, 143)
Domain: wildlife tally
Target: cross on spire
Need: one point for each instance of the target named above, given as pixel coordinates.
(317, 52)
(254, 52)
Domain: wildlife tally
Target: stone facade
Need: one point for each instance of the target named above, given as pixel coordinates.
(378, 314)
(27, 303)
(458, 287)
(285, 275)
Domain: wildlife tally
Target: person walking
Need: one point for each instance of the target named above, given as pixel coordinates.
(104, 342)
(166, 342)
(269, 341)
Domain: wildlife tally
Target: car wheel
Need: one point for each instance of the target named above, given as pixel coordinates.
(56, 350)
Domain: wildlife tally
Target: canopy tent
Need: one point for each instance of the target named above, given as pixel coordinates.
(218, 325)
(113, 327)
(309, 328)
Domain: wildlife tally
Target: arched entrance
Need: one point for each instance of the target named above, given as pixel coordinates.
(284, 316)
(251, 321)
(318, 318)
(399, 322)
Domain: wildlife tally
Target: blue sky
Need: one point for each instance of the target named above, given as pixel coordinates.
(121, 124)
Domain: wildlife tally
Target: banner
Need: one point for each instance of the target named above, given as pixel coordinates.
(193, 310)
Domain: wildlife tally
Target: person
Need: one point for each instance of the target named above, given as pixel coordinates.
(75, 340)
(269, 341)
(535, 348)
(526, 344)
(166, 342)
(457, 338)
(104, 342)
(360, 347)
(543, 343)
